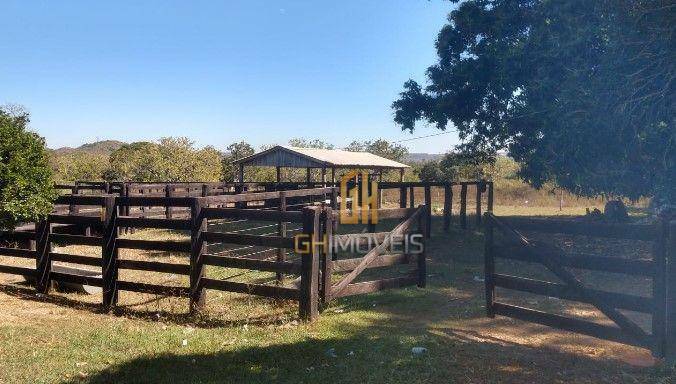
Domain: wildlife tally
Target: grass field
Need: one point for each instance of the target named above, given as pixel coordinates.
(62, 338)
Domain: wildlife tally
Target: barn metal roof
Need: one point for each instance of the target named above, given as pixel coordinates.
(296, 157)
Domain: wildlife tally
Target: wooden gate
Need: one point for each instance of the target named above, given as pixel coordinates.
(556, 261)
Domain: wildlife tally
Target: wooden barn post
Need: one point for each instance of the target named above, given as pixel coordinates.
(489, 207)
(327, 256)
(168, 192)
(480, 185)
(402, 197)
(308, 308)
(489, 267)
(197, 250)
(281, 231)
(421, 257)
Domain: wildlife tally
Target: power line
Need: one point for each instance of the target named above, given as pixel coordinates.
(426, 136)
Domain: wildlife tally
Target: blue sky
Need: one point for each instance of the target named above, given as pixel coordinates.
(217, 71)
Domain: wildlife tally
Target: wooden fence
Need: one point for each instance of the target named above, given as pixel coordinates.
(205, 218)
(661, 270)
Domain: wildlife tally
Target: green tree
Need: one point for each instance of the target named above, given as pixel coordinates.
(380, 147)
(26, 186)
(580, 92)
(71, 167)
(306, 143)
(235, 151)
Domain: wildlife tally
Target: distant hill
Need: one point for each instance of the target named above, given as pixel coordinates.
(420, 157)
(99, 147)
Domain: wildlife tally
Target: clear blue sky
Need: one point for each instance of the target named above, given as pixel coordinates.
(217, 71)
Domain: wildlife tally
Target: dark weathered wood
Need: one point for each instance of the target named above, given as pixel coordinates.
(154, 245)
(659, 307)
(549, 257)
(308, 303)
(255, 264)
(327, 253)
(154, 201)
(17, 252)
(235, 238)
(562, 291)
(109, 254)
(489, 207)
(463, 206)
(77, 279)
(574, 325)
(43, 264)
(81, 199)
(272, 291)
(584, 261)
(168, 193)
(252, 214)
(645, 232)
(428, 218)
(346, 265)
(359, 239)
(375, 252)
(421, 257)
(411, 197)
(76, 259)
(155, 289)
(281, 232)
(670, 329)
(154, 266)
(198, 248)
(489, 268)
(17, 235)
(448, 206)
(75, 220)
(402, 197)
(64, 239)
(161, 223)
(377, 285)
(14, 270)
(479, 191)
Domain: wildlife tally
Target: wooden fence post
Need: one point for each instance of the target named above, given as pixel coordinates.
(109, 253)
(411, 197)
(423, 229)
(659, 293)
(327, 256)
(169, 192)
(43, 264)
(448, 205)
(281, 231)
(479, 190)
(463, 206)
(197, 249)
(489, 267)
(402, 197)
(308, 309)
(489, 208)
(670, 337)
(428, 217)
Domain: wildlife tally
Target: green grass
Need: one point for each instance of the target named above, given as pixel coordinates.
(363, 339)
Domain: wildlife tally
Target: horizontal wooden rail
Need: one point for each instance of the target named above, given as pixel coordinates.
(154, 266)
(65, 239)
(75, 259)
(17, 252)
(76, 279)
(154, 245)
(15, 270)
(383, 213)
(376, 285)
(99, 200)
(139, 201)
(561, 291)
(255, 264)
(645, 232)
(566, 323)
(347, 265)
(252, 289)
(140, 222)
(162, 290)
(75, 219)
(584, 261)
(251, 214)
(17, 235)
(232, 238)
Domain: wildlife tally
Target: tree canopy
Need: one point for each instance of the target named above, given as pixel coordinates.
(380, 147)
(580, 92)
(26, 187)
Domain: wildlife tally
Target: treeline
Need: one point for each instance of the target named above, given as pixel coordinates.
(179, 159)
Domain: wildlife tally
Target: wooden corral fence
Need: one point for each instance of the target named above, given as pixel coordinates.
(661, 270)
(242, 231)
(482, 191)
